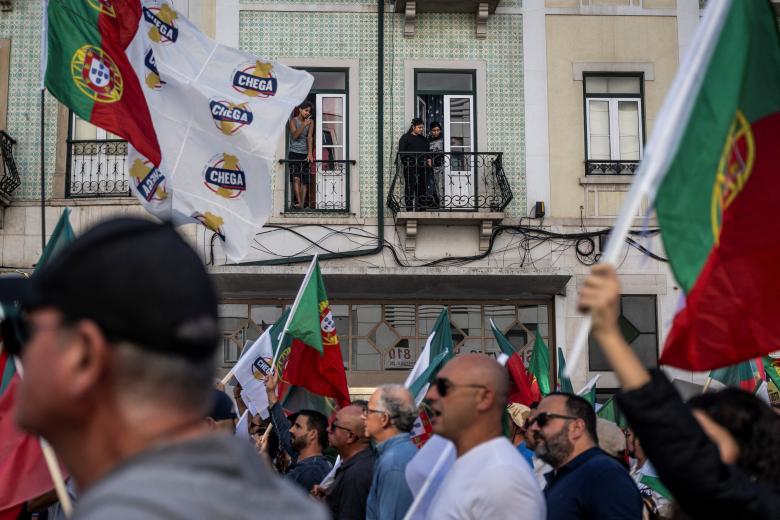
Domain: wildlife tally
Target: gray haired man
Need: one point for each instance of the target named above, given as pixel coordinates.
(389, 417)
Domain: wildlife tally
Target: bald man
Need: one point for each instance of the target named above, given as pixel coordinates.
(347, 496)
(388, 418)
(489, 479)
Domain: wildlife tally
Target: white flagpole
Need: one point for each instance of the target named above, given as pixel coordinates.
(294, 308)
(662, 146)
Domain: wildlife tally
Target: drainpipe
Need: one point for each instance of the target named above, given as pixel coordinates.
(380, 161)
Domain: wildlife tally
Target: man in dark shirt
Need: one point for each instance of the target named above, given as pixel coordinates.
(584, 483)
(304, 436)
(347, 495)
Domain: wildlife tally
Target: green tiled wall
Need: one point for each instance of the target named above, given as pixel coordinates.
(438, 37)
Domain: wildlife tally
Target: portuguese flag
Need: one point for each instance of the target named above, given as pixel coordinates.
(519, 382)
(540, 368)
(88, 71)
(742, 375)
(313, 359)
(719, 203)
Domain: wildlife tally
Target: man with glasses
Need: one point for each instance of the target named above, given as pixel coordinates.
(118, 348)
(585, 482)
(541, 468)
(347, 495)
(489, 479)
(388, 418)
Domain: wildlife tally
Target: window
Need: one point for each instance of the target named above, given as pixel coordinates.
(447, 97)
(322, 185)
(639, 324)
(97, 161)
(389, 336)
(613, 123)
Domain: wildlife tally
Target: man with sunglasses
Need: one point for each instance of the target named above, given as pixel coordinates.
(348, 494)
(489, 478)
(585, 482)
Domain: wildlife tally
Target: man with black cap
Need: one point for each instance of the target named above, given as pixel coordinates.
(221, 416)
(119, 335)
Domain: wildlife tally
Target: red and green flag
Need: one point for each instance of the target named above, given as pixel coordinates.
(772, 370)
(88, 71)
(23, 471)
(520, 390)
(742, 375)
(719, 202)
(564, 383)
(540, 368)
(610, 412)
(312, 360)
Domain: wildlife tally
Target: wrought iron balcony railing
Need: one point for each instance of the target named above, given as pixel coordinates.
(451, 181)
(97, 168)
(320, 186)
(10, 178)
(611, 167)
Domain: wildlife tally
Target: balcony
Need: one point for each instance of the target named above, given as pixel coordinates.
(97, 169)
(314, 187)
(611, 167)
(9, 180)
(449, 187)
(482, 9)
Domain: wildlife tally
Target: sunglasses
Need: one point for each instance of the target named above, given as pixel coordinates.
(334, 426)
(544, 418)
(444, 385)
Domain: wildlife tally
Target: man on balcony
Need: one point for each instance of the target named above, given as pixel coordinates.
(412, 152)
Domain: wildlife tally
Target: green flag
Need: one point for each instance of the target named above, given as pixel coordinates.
(540, 366)
(612, 413)
(742, 375)
(772, 370)
(564, 383)
(437, 351)
(656, 485)
(60, 237)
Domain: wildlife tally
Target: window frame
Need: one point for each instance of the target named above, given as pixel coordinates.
(453, 92)
(593, 345)
(613, 100)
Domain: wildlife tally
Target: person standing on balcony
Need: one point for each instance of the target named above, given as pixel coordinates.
(412, 152)
(300, 152)
(435, 165)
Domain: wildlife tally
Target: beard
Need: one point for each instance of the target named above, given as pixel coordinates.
(298, 443)
(555, 449)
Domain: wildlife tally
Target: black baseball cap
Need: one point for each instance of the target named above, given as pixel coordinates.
(137, 279)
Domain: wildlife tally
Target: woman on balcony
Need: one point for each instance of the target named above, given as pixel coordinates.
(412, 152)
(301, 127)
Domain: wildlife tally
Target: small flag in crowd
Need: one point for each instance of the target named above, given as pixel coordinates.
(312, 359)
(520, 382)
(588, 392)
(437, 351)
(242, 426)
(717, 201)
(540, 368)
(612, 413)
(422, 430)
(202, 119)
(742, 375)
(564, 383)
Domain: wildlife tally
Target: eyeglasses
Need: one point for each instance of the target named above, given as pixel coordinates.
(544, 418)
(367, 410)
(444, 385)
(333, 426)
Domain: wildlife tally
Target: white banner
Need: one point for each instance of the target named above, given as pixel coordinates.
(218, 114)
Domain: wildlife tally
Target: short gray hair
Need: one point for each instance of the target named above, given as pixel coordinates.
(152, 376)
(399, 404)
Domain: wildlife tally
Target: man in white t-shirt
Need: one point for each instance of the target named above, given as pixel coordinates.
(489, 479)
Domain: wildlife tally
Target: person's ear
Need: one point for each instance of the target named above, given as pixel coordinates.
(87, 359)
(486, 398)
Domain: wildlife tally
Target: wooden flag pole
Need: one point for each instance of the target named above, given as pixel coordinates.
(706, 385)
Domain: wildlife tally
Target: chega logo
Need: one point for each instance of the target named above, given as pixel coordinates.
(103, 6)
(148, 180)
(212, 222)
(255, 79)
(261, 368)
(230, 117)
(163, 23)
(96, 75)
(223, 175)
(153, 80)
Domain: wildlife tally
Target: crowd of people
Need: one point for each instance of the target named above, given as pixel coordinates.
(125, 395)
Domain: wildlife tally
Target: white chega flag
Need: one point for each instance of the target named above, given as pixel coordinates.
(218, 114)
(242, 427)
(251, 370)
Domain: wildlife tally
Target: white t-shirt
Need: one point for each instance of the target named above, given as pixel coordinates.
(493, 481)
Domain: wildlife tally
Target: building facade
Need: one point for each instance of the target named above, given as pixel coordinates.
(544, 106)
